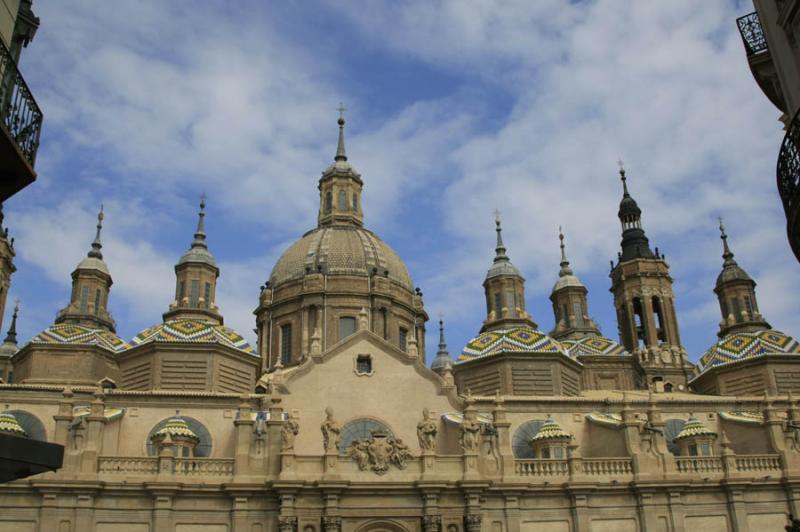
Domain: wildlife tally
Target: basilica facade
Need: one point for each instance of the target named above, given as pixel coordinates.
(334, 422)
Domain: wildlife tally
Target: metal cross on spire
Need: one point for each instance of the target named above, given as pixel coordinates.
(341, 110)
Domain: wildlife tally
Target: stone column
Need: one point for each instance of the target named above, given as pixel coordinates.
(574, 461)
(513, 514)
(274, 424)
(287, 521)
(649, 320)
(239, 519)
(777, 438)
(84, 511)
(580, 512)
(677, 511)
(64, 417)
(96, 422)
(647, 514)
(737, 509)
(728, 457)
(243, 435)
(502, 426)
(162, 512)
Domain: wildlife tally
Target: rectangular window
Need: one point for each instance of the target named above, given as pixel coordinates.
(207, 294)
(737, 310)
(403, 339)
(546, 452)
(364, 364)
(181, 291)
(286, 343)
(97, 301)
(511, 305)
(194, 294)
(748, 306)
(705, 449)
(10, 377)
(559, 452)
(347, 326)
(498, 306)
(693, 450)
(565, 315)
(576, 308)
(84, 299)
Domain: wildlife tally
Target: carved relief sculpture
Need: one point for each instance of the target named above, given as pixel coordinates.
(287, 524)
(289, 431)
(330, 431)
(426, 431)
(379, 452)
(331, 523)
(432, 523)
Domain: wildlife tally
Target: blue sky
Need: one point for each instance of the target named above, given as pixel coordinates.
(455, 108)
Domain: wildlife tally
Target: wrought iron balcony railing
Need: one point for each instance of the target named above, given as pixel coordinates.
(789, 167)
(752, 34)
(19, 112)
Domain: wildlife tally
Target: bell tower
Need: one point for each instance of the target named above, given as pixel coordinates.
(645, 303)
(91, 284)
(736, 292)
(505, 291)
(570, 305)
(196, 279)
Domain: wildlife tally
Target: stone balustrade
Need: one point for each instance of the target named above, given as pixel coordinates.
(542, 467)
(607, 466)
(699, 464)
(203, 466)
(758, 462)
(127, 465)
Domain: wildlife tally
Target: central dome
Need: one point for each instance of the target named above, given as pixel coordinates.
(340, 250)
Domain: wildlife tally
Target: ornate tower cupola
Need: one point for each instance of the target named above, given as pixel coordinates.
(196, 280)
(570, 306)
(340, 188)
(6, 264)
(634, 242)
(91, 284)
(442, 363)
(737, 295)
(645, 302)
(505, 291)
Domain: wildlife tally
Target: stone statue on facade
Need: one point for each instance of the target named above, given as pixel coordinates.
(289, 431)
(426, 431)
(330, 431)
(470, 433)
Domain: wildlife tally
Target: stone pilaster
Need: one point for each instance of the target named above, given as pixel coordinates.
(95, 422)
(737, 509)
(243, 430)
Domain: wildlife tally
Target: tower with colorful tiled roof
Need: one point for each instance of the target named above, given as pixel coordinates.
(91, 285)
(196, 279)
(645, 302)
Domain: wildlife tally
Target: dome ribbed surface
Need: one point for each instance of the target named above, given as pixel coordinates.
(339, 250)
(176, 428)
(551, 430)
(10, 425)
(693, 427)
(517, 339)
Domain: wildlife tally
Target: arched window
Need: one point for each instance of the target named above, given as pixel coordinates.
(360, 429)
(671, 429)
(521, 442)
(342, 200)
(32, 425)
(328, 201)
(202, 450)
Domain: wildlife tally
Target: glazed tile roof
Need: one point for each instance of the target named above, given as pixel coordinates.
(755, 418)
(611, 420)
(593, 345)
(176, 428)
(65, 333)
(744, 345)
(693, 427)
(10, 425)
(551, 430)
(517, 339)
(193, 331)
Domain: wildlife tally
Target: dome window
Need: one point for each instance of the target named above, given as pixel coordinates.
(328, 202)
(286, 343)
(403, 339)
(347, 326)
(364, 365)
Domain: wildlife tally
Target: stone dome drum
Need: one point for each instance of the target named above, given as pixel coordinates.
(340, 250)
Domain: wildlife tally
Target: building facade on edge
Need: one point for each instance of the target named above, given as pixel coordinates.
(333, 421)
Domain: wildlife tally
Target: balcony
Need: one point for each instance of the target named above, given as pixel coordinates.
(788, 173)
(20, 127)
(759, 58)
